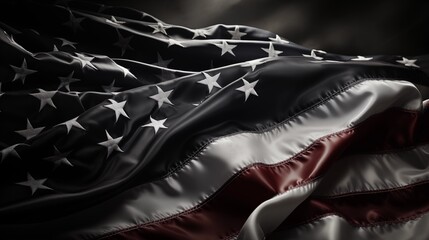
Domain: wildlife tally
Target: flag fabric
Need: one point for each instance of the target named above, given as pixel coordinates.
(116, 125)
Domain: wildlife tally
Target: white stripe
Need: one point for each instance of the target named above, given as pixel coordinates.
(209, 170)
(337, 228)
(376, 172)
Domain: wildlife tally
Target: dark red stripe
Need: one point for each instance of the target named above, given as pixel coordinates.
(366, 208)
(223, 213)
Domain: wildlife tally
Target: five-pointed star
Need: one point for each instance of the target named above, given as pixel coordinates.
(236, 34)
(361, 58)
(59, 158)
(111, 88)
(210, 81)
(200, 33)
(74, 22)
(118, 107)
(30, 131)
(271, 51)
(225, 47)
(161, 62)
(313, 54)
(9, 151)
(22, 72)
(161, 97)
(248, 88)
(124, 70)
(172, 42)
(72, 123)
(156, 124)
(45, 97)
(65, 42)
(123, 43)
(408, 62)
(159, 27)
(278, 39)
(84, 60)
(65, 81)
(34, 184)
(113, 21)
(111, 144)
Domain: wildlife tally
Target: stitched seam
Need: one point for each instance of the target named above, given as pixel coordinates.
(374, 191)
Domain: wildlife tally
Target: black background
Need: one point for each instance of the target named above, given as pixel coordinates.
(344, 27)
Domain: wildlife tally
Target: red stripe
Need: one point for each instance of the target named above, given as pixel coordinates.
(366, 208)
(223, 213)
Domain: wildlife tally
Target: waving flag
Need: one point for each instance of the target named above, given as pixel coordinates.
(116, 125)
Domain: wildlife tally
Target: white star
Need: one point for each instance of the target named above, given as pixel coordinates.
(111, 88)
(22, 72)
(248, 88)
(225, 47)
(408, 62)
(313, 54)
(113, 21)
(236, 34)
(65, 81)
(124, 70)
(172, 42)
(74, 22)
(278, 39)
(159, 27)
(162, 97)
(210, 81)
(118, 107)
(111, 144)
(161, 62)
(361, 58)
(65, 42)
(200, 33)
(59, 158)
(84, 60)
(34, 184)
(72, 123)
(156, 124)
(45, 97)
(271, 51)
(123, 43)
(9, 151)
(30, 131)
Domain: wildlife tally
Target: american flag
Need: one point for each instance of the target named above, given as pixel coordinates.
(117, 125)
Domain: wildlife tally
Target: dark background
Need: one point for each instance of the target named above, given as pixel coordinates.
(347, 27)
